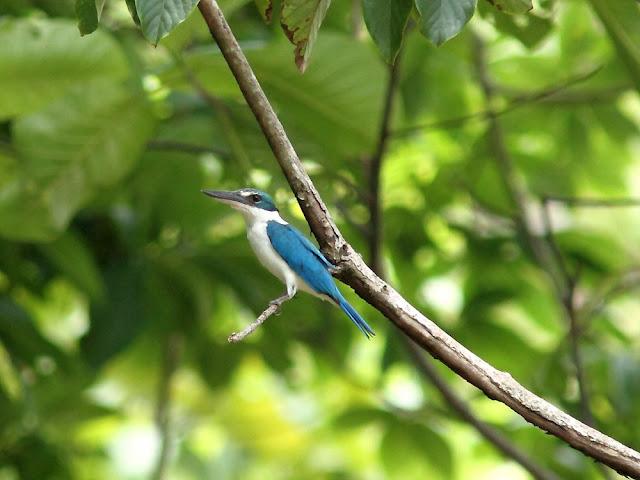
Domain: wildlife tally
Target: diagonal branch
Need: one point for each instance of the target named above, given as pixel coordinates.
(353, 271)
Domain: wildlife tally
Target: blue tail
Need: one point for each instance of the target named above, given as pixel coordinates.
(355, 317)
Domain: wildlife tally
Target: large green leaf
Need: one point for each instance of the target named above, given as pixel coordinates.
(159, 17)
(385, 20)
(621, 18)
(40, 60)
(301, 20)
(331, 111)
(441, 20)
(87, 14)
(69, 152)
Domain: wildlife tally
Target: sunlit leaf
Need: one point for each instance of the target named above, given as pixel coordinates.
(301, 20)
(40, 60)
(70, 151)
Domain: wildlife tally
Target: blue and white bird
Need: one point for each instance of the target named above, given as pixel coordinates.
(286, 252)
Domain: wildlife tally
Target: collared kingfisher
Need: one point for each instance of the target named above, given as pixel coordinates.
(286, 252)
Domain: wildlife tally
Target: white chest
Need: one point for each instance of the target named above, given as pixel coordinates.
(261, 245)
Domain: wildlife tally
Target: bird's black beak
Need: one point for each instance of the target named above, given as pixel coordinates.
(225, 196)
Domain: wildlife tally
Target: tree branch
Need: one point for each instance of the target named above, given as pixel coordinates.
(353, 271)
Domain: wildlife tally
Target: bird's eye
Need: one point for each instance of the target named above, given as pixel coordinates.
(255, 197)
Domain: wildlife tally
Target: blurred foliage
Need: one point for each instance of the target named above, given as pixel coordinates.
(108, 250)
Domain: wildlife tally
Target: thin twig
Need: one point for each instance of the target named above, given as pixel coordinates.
(249, 329)
(218, 106)
(496, 384)
(514, 104)
(374, 166)
(183, 147)
(555, 250)
(594, 202)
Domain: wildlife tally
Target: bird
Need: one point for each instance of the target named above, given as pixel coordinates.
(286, 252)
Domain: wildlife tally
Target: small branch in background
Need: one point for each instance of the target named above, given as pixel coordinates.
(622, 283)
(504, 445)
(555, 250)
(218, 106)
(374, 167)
(593, 202)
(172, 354)
(520, 100)
(182, 147)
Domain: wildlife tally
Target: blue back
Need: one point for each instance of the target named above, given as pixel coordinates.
(303, 258)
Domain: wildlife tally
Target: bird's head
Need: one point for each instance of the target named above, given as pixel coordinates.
(247, 200)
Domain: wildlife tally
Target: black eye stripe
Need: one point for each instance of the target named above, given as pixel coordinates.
(255, 198)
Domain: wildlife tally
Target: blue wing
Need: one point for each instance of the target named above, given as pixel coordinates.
(303, 258)
(308, 263)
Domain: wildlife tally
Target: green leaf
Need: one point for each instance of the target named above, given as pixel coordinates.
(265, 7)
(331, 111)
(512, 6)
(386, 20)
(40, 60)
(131, 5)
(530, 30)
(301, 20)
(441, 20)
(87, 14)
(159, 17)
(68, 152)
(621, 18)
